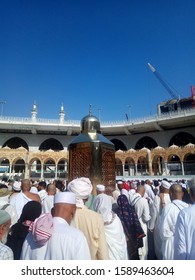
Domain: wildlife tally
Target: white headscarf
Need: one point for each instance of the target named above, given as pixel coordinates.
(82, 188)
(103, 206)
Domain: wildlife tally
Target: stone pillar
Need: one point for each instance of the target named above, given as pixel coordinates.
(182, 168)
(26, 172)
(136, 169)
(10, 171)
(166, 169)
(159, 167)
(65, 166)
(42, 174)
(150, 163)
(123, 169)
(56, 171)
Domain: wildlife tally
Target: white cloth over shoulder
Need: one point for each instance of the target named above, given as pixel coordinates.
(167, 224)
(115, 237)
(184, 245)
(66, 243)
(19, 202)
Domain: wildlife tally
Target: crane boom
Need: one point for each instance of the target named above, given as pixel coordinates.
(172, 94)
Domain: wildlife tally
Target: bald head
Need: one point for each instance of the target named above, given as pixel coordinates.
(51, 189)
(140, 190)
(65, 211)
(26, 185)
(176, 192)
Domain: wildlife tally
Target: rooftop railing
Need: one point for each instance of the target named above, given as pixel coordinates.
(151, 118)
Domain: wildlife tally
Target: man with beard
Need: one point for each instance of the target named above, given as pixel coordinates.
(5, 221)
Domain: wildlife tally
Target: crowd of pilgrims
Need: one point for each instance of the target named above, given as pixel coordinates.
(139, 220)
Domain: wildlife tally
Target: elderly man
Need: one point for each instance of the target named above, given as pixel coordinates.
(54, 238)
(5, 221)
(184, 245)
(89, 222)
(168, 220)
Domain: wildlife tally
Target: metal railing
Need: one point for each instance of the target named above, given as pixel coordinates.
(164, 116)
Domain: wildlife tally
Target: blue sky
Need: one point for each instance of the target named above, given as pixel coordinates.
(94, 52)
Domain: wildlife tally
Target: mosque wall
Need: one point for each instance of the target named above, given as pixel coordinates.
(162, 138)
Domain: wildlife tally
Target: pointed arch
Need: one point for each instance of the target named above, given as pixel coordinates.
(182, 139)
(119, 145)
(51, 144)
(15, 143)
(146, 142)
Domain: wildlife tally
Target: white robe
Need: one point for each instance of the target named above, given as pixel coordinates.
(184, 245)
(143, 213)
(66, 243)
(116, 240)
(20, 200)
(115, 236)
(167, 223)
(156, 210)
(149, 192)
(42, 194)
(48, 203)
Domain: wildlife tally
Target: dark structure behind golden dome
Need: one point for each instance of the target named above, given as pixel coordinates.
(92, 155)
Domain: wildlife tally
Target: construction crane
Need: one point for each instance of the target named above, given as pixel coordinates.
(170, 91)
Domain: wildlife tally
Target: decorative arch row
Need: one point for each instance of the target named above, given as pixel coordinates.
(158, 162)
(180, 139)
(22, 164)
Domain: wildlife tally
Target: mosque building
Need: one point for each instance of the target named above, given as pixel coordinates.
(160, 145)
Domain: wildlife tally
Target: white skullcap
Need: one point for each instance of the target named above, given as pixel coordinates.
(119, 182)
(82, 188)
(4, 217)
(65, 197)
(17, 186)
(165, 184)
(100, 188)
(34, 189)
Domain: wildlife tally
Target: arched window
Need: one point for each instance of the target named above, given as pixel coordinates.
(119, 145)
(52, 144)
(15, 143)
(146, 142)
(182, 139)
(189, 164)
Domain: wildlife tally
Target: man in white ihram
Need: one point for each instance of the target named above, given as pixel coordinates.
(168, 220)
(65, 242)
(184, 245)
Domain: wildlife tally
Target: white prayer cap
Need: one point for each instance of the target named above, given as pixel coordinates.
(33, 189)
(65, 197)
(165, 184)
(82, 187)
(4, 217)
(119, 182)
(17, 186)
(100, 188)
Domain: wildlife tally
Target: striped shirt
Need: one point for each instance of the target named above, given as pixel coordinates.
(5, 252)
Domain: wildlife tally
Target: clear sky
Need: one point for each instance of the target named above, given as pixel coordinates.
(81, 52)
